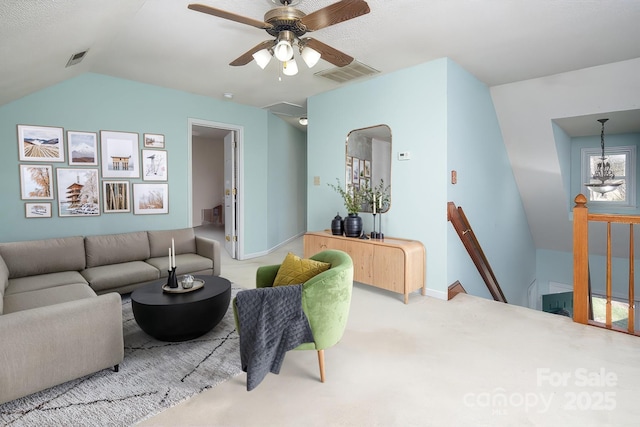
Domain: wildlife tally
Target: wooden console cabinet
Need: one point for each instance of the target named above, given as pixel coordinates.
(397, 265)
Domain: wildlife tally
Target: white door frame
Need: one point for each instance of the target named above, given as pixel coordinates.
(239, 173)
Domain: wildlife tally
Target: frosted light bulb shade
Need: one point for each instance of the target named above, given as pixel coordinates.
(283, 51)
(310, 56)
(262, 58)
(290, 68)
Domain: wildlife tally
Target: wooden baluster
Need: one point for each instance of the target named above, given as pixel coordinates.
(580, 261)
(608, 321)
(631, 321)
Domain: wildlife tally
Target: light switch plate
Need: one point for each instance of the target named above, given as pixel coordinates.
(316, 180)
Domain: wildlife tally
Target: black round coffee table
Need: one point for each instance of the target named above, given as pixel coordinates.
(183, 316)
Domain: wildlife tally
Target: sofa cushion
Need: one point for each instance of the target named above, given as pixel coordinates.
(118, 275)
(295, 270)
(186, 263)
(53, 255)
(109, 249)
(4, 281)
(160, 242)
(45, 297)
(43, 281)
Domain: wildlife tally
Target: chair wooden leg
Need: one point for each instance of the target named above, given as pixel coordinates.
(321, 362)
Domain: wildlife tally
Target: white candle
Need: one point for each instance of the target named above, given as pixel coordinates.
(173, 250)
(169, 259)
(374, 203)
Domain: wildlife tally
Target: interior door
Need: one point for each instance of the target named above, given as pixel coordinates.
(230, 194)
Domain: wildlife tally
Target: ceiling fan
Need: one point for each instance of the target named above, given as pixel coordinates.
(288, 25)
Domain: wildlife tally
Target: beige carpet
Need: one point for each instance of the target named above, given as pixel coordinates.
(466, 362)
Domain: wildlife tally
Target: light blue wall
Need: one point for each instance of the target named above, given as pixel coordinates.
(445, 118)
(93, 102)
(486, 191)
(287, 190)
(563, 148)
(412, 102)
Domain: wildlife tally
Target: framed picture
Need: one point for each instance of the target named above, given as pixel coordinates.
(349, 160)
(348, 176)
(153, 140)
(361, 168)
(154, 165)
(367, 168)
(150, 199)
(37, 210)
(355, 178)
(36, 182)
(40, 143)
(117, 196)
(119, 154)
(82, 148)
(78, 192)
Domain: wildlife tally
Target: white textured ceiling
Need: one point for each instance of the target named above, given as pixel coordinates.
(161, 42)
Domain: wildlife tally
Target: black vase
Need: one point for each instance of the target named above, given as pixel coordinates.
(353, 225)
(337, 225)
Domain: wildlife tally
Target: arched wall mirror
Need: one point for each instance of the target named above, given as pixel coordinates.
(368, 163)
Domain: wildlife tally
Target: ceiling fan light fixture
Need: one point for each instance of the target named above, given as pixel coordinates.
(262, 58)
(310, 56)
(290, 68)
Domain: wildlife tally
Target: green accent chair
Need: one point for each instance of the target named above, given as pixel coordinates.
(326, 299)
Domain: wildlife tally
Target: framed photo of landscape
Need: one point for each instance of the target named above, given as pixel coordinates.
(119, 152)
(82, 148)
(153, 140)
(78, 192)
(150, 199)
(37, 210)
(36, 182)
(40, 143)
(116, 196)
(154, 165)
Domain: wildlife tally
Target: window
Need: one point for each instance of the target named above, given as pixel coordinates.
(622, 160)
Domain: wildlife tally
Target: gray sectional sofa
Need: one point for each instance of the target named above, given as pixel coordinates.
(60, 311)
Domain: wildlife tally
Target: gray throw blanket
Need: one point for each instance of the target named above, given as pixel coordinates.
(271, 323)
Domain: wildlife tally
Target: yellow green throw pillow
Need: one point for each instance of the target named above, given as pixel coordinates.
(295, 270)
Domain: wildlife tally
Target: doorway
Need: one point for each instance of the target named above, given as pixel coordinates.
(214, 184)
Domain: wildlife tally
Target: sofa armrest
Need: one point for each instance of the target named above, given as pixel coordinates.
(211, 249)
(266, 275)
(47, 346)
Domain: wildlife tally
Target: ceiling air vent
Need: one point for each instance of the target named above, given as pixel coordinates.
(76, 57)
(353, 71)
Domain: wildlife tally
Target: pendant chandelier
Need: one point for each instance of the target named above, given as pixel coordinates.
(602, 180)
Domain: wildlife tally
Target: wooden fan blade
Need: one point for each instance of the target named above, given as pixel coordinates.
(328, 53)
(230, 16)
(335, 13)
(247, 57)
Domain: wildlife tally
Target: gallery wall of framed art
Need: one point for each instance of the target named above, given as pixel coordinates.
(90, 173)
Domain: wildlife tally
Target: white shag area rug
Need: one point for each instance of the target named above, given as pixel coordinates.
(153, 376)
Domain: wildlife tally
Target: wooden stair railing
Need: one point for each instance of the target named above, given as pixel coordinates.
(460, 223)
(581, 283)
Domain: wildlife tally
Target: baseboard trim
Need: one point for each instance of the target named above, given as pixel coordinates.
(268, 251)
(436, 294)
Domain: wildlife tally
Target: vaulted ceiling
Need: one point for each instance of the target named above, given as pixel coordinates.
(162, 42)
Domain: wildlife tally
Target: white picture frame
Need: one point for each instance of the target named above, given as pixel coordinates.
(36, 182)
(82, 148)
(37, 210)
(78, 192)
(40, 143)
(154, 165)
(119, 152)
(150, 199)
(116, 196)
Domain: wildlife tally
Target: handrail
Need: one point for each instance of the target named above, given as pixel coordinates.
(581, 288)
(460, 223)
